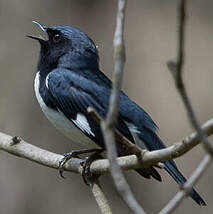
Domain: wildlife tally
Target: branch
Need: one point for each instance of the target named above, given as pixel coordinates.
(33, 153)
(108, 126)
(148, 158)
(132, 148)
(100, 198)
(176, 69)
(187, 187)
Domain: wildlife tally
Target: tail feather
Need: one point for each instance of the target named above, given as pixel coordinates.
(180, 179)
(153, 142)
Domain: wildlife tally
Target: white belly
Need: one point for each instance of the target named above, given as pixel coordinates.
(62, 123)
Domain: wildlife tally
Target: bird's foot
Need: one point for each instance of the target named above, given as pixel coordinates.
(87, 176)
(72, 154)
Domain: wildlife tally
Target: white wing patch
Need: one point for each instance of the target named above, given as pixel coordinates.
(82, 123)
(132, 128)
(46, 81)
(135, 131)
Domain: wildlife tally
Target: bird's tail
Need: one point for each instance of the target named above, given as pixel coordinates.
(170, 166)
(180, 179)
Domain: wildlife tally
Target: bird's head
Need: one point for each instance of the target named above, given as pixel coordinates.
(66, 46)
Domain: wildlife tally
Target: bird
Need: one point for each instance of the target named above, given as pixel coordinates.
(69, 80)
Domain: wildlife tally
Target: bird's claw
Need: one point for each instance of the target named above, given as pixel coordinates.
(74, 154)
(67, 156)
(87, 176)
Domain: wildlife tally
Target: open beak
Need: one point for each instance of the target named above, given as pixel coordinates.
(39, 38)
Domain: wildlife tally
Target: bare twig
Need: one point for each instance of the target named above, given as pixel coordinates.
(151, 158)
(132, 148)
(187, 187)
(100, 198)
(108, 126)
(176, 69)
(181, 36)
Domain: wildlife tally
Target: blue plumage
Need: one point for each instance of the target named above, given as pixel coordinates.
(69, 81)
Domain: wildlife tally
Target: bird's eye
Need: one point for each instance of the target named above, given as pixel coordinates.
(56, 37)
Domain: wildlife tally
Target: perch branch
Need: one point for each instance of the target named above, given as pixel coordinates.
(33, 153)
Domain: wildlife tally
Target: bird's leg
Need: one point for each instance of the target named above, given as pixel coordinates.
(87, 176)
(72, 154)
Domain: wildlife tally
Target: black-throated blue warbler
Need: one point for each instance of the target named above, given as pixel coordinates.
(68, 81)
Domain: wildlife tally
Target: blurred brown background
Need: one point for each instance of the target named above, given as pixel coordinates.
(26, 187)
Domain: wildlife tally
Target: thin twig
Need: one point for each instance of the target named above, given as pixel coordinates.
(148, 158)
(49, 159)
(100, 198)
(131, 148)
(108, 126)
(187, 187)
(176, 69)
(181, 36)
